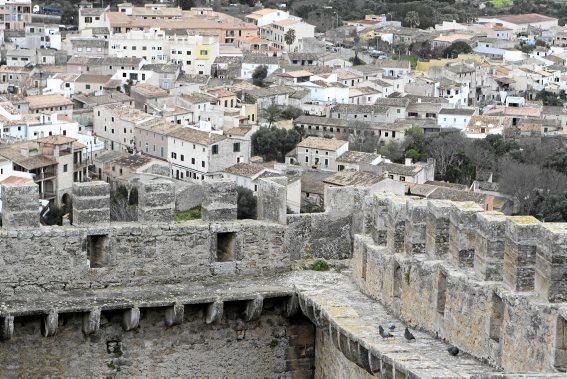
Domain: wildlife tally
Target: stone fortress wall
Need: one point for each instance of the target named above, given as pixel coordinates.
(493, 285)
(118, 293)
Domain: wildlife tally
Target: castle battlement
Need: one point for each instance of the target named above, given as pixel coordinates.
(493, 285)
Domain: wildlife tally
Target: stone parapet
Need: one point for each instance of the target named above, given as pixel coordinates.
(219, 201)
(551, 263)
(20, 205)
(523, 234)
(272, 200)
(156, 201)
(91, 203)
(437, 229)
(462, 233)
(490, 240)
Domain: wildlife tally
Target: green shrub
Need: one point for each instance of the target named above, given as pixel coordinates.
(318, 265)
(191, 214)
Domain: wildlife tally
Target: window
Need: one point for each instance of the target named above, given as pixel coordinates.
(215, 149)
(236, 147)
(173, 155)
(65, 168)
(402, 178)
(561, 345)
(202, 163)
(226, 243)
(192, 160)
(441, 292)
(306, 159)
(496, 317)
(88, 20)
(397, 282)
(88, 86)
(98, 247)
(204, 52)
(182, 158)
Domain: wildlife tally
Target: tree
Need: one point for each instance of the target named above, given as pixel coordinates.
(457, 48)
(557, 161)
(128, 86)
(123, 204)
(289, 38)
(246, 203)
(549, 98)
(290, 113)
(260, 73)
(361, 139)
(414, 139)
(461, 170)
(274, 143)
(393, 151)
(444, 147)
(272, 113)
(412, 19)
(186, 4)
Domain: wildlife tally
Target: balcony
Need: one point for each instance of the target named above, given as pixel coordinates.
(47, 195)
(44, 176)
(77, 166)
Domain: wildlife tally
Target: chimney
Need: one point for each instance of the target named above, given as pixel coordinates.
(408, 161)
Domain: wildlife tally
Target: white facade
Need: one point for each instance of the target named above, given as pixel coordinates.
(276, 32)
(193, 52)
(457, 121)
(194, 161)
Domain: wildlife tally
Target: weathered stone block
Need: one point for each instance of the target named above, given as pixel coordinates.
(214, 312)
(551, 263)
(174, 315)
(91, 203)
(49, 324)
(91, 321)
(20, 205)
(397, 216)
(156, 201)
(462, 228)
(490, 241)
(219, 201)
(272, 200)
(437, 229)
(131, 318)
(415, 227)
(378, 219)
(523, 234)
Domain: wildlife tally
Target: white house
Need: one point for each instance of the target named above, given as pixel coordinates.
(195, 155)
(320, 153)
(457, 118)
(276, 31)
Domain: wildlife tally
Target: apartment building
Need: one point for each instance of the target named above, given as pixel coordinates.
(195, 53)
(49, 104)
(195, 155)
(55, 162)
(15, 14)
(319, 153)
(151, 137)
(114, 124)
(276, 31)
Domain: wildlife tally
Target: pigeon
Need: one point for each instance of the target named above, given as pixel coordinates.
(453, 350)
(409, 336)
(392, 326)
(383, 333)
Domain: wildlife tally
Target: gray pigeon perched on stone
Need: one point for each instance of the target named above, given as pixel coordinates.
(383, 333)
(392, 326)
(453, 350)
(409, 336)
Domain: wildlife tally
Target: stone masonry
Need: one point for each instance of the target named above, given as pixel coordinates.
(219, 296)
